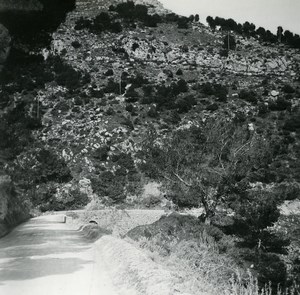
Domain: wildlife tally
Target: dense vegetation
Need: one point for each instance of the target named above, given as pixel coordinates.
(129, 14)
(249, 30)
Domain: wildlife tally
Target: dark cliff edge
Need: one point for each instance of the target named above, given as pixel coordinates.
(33, 27)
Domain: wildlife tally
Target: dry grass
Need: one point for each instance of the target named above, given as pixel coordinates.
(202, 270)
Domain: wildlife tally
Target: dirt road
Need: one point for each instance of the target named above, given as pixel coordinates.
(46, 257)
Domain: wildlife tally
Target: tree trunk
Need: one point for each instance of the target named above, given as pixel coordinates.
(209, 212)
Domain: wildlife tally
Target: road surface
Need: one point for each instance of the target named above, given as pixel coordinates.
(46, 257)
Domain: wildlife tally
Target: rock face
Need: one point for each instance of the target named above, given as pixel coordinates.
(31, 22)
(5, 45)
(12, 210)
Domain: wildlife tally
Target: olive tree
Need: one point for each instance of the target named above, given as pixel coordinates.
(204, 162)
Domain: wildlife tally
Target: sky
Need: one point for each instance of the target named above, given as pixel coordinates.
(265, 13)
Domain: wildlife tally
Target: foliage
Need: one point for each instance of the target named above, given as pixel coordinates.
(76, 44)
(293, 123)
(49, 197)
(107, 185)
(183, 22)
(249, 96)
(220, 91)
(280, 104)
(249, 29)
(101, 23)
(101, 153)
(45, 166)
(204, 163)
(131, 12)
(15, 130)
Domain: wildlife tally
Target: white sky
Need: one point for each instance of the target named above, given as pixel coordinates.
(266, 13)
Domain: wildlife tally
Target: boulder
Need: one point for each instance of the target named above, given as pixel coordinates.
(274, 93)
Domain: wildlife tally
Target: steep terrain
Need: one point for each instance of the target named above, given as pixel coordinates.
(119, 95)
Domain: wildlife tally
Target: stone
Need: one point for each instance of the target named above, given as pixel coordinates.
(274, 93)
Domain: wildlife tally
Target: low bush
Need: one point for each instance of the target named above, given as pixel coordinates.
(108, 185)
(131, 12)
(292, 124)
(185, 103)
(101, 153)
(101, 23)
(288, 89)
(76, 44)
(249, 96)
(280, 104)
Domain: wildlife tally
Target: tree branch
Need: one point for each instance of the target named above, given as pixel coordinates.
(184, 182)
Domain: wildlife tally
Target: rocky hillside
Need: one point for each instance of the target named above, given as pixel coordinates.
(105, 79)
(120, 95)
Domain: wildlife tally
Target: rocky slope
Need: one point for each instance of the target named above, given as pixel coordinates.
(108, 110)
(78, 118)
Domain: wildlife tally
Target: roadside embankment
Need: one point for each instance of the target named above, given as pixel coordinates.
(13, 211)
(128, 265)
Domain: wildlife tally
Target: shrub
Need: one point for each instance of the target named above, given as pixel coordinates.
(212, 107)
(135, 46)
(76, 44)
(109, 73)
(153, 113)
(223, 53)
(221, 92)
(292, 124)
(138, 81)
(176, 88)
(132, 12)
(49, 167)
(249, 96)
(270, 268)
(207, 88)
(256, 211)
(101, 153)
(281, 104)
(172, 117)
(131, 95)
(108, 185)
(129, 108)
(184, 104)
(112, 87)
(179, 72)
(288, 89)
(82, 24)
(183, 22)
